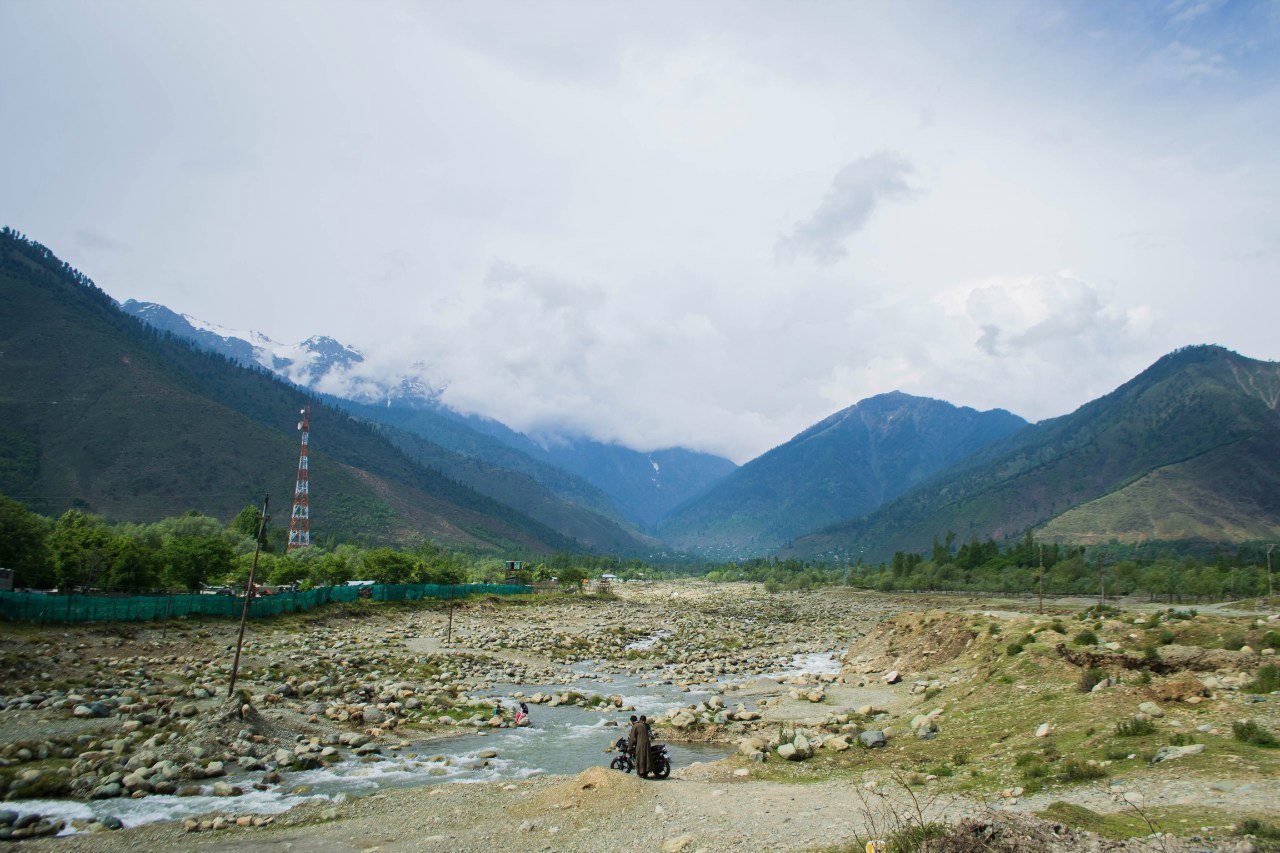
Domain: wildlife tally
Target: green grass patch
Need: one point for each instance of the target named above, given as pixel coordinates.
(1248, 731)
(1268, 680)
(1135, 727)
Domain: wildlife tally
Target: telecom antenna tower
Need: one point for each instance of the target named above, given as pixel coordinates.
(300, 521)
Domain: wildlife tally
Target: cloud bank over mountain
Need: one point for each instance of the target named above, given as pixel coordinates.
(705, 224)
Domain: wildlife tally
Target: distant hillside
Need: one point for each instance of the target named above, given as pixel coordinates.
(99, 411)
(626, 485)
(844, 466)
(1185, 450)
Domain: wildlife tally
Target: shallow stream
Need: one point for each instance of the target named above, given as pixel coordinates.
(561, 740)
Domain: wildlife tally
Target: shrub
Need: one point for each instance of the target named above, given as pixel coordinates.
(1086, 638)
(1182, 739)
(1013, 649)
(1165, 637)
(1091, 678)
(1058, 627)
(1270, 640)
(1076, 770)
(1234, 643)
(960, 759)
(1135, 727)
(1259, 829)
(993, 628)
(1267, 681)
(1247, 731)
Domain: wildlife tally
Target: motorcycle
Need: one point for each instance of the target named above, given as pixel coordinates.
(625, 761)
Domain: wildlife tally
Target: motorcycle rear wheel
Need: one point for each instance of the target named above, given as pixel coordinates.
(661, 767)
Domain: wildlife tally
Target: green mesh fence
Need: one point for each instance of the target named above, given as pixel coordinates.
(35, 607)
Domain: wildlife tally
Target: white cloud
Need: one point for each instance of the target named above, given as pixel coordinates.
(855, 192)
(571, 216)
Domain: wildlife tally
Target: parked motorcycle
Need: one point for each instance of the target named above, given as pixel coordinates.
(659, 759)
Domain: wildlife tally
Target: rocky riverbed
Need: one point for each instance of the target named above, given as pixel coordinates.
(341, 713)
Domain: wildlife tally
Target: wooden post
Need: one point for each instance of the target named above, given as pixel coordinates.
(1041, 606)
(449, 640)
(1271, 590)
(248, 594)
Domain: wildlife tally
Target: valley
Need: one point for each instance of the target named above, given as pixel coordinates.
(358, 722)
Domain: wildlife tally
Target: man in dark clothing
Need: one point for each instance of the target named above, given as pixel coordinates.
(638, 740)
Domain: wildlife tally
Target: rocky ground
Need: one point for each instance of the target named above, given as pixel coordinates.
(942, 709)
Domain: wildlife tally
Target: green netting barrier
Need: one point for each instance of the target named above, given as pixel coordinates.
(36, 607)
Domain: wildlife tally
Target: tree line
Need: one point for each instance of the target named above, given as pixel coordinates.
(82, 551)
(79, 551)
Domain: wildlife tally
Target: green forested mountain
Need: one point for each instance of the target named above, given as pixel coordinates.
(844, 466)
(1187, 450)
(100, 412)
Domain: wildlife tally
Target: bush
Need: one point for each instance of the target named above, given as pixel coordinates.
(1234, 643)
(1135, 727)
(1165, 637)
(1270, 640)
(1267, 681)
(1086, 638)
(1013, 649)
(1091, 678)
(1076, 770)
(1181, 739)
(1259, 829)
(1247, 731)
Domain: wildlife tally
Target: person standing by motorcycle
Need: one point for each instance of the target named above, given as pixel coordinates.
(638, 740)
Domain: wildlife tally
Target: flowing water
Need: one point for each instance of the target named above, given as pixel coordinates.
(561, 740)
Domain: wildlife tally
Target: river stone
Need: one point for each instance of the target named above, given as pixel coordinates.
(1044, 730)
(1169, 753)
(373, 715)
(873, 739)
(1151, 709)
(487, 753)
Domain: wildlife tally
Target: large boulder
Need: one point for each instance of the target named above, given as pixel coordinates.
(873, 739)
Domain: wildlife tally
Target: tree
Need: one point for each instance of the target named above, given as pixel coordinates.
(23, 548)
(189, 561)
(246, 524)
(134, 567)
(82, 548)
(384, 565)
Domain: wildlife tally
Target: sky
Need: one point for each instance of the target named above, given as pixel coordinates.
(698, 224)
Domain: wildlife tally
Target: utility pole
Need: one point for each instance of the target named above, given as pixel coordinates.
(1102, 583)
(248, 594)
(449, 639)
(1041, 608)
(1271, 590)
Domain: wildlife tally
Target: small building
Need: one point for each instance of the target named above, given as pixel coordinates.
(6, 580)
(516, 572)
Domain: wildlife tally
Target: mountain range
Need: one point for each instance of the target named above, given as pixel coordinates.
(144, 412)
(102, 412)
(842, 467)
(634, 487)
(1185, 451)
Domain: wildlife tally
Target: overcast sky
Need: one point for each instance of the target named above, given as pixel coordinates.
(697, 223)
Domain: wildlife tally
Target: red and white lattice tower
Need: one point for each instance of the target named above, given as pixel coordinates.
(300, 521)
